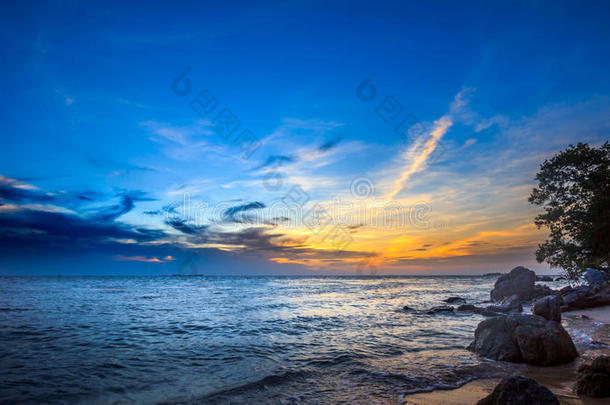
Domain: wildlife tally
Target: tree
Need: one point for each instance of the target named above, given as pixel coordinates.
(574, 189)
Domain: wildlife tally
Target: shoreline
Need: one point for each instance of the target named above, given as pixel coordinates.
(559, 379)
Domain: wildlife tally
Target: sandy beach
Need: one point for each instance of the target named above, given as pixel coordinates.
(560, 380)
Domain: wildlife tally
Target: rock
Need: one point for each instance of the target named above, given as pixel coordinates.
(548, 307)
(596, 278)
(452, 300)
(485, 312)
(466, 307)
(406, 308)
(542, 291)
(520, 282)
(517, 390)
(444, 308)
(527, 339)
(594, 378)
(511, 304)
(560, 279)
(584, 297)
(544, 278)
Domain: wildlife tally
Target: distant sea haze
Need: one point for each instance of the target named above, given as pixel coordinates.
(100, 340)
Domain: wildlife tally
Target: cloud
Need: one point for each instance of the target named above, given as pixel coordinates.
(329, 145)
(126, 204)
(235, 214)
(276, 159)
(26, 224)
(55, 227)
(17, 191)
(417, 155)
(184, 227)
(183, 142)
(144, 259)
(294, 127)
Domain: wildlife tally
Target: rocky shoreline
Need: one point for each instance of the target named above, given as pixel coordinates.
(538, 340)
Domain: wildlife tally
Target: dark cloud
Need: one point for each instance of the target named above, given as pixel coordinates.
(69, 234)
(329, 145)
(23, 227)
(261, 241)
(354, 228)
(126, 204)
(56, 227)
(184, 227)
(276, 159)
(275, 221)
(14, 191)
(238, 214)
(166, 210)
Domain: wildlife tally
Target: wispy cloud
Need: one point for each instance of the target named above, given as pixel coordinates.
(144, 259)
(418, 154)
(186, 142)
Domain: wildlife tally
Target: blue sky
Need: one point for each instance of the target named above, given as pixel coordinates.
(99, 153)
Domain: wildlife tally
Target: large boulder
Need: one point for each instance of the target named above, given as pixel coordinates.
(527, 339)
(594, 378)
(548, 307)
(517, 390)
(541, 290)
(520, 282)
(584, 297)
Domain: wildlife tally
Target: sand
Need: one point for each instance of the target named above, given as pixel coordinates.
(465, 395)
(600, 314)
(560, 380)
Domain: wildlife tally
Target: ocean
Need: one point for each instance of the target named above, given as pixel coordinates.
(238, 340)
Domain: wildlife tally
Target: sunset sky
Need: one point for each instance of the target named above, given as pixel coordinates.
(288, 138)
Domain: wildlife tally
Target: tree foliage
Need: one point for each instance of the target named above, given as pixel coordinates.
(574, 190)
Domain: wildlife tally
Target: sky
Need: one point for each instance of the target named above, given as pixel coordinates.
(288, 138)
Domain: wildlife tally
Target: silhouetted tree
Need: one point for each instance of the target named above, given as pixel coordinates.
(574, 189)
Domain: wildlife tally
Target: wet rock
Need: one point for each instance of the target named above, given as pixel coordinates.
(520, 282)
(511, 304)
(453, 300)
(408, 309)
(542, 291)
(594, 378)
(584, 297)
(544, 278)
(517, 390)
(597, 343)
(560, 279)
(466, 307)
(548, 307)
(486, 312)
(443, 308)
(527, 339)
